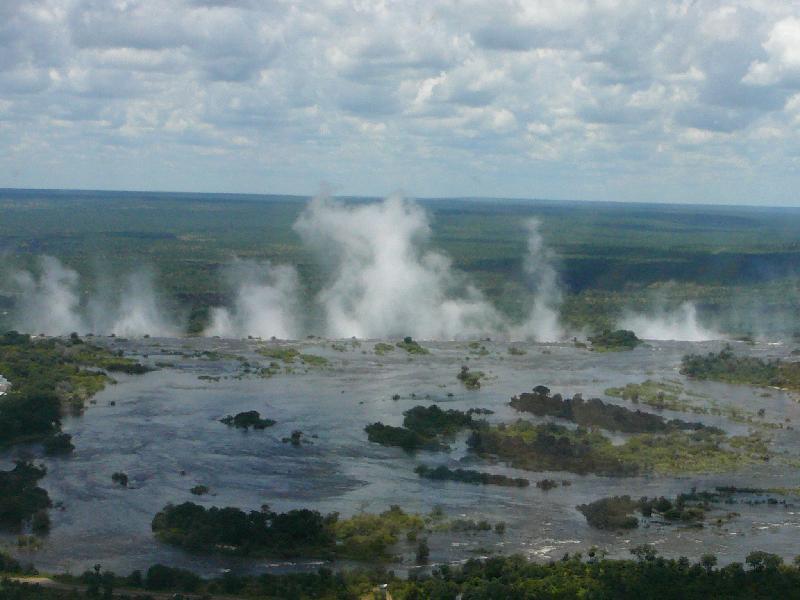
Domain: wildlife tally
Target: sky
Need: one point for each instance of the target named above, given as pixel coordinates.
(695, 101)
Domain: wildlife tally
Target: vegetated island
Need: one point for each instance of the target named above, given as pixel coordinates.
(694, 509)
(50, 376)
(727, 367)
(382, 348)
(614, 341)
(412, 347)
(442, 473)
(299, 532)
(689, 509)
(552, 447)
(671, 395)
(470, 379)
(247, 419)
(657, 394)
(289, 356)
(364, 537)
(596, 413)
(423, 428)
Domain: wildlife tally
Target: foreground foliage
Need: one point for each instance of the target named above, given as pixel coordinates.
(647, 575)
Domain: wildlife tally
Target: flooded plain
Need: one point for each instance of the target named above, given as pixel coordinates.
(162, 429)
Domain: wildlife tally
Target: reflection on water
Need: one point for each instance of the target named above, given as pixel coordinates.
(162, 430)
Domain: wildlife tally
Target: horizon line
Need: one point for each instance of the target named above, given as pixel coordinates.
(527, 199)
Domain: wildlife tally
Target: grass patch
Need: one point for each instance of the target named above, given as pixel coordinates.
(412, 347)
(382, 348)
(550, 447)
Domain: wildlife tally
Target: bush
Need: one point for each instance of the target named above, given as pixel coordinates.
(247, 419)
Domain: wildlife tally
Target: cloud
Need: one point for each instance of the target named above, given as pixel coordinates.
(370, 95)
(783, 49)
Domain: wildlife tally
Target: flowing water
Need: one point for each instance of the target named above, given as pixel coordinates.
(163, 430)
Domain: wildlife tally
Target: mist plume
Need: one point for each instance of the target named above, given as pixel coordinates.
(266, 302)
(52, 304)
(383, 280)
(680, 324)
(543, 322)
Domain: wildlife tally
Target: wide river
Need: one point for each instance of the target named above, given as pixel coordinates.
(163, 430)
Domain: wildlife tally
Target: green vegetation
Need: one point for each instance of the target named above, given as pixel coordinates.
(617, 512)
(120, 478)
(58, 443)
(516, 351)
(671, 395)
(247, 419)
(21, 500)
(470, 379)
(551, 447)
(382, 348)
(296, 439)
(726, 366)
(125, 366)
(199, 490)
(612, 341)
(432, 420)
(422, 428)
(47, 375)
(549, 484)
(658, 394)
(408, 440)
(369, 537)
(646, 575)
(688, 509)
(611, 513)
(8, 564)
(301, 532)
(478, 349)
(441, 473)
(412, 347)
(312, 360)
(289, 355)
(286, 355)
(596, 413)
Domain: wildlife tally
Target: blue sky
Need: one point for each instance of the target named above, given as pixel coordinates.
(610, 100)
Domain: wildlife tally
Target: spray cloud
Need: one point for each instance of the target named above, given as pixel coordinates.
(265, 303)
(383, 282)
(52, 304)
(680, 324)
(542, 323)
(52, 301)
